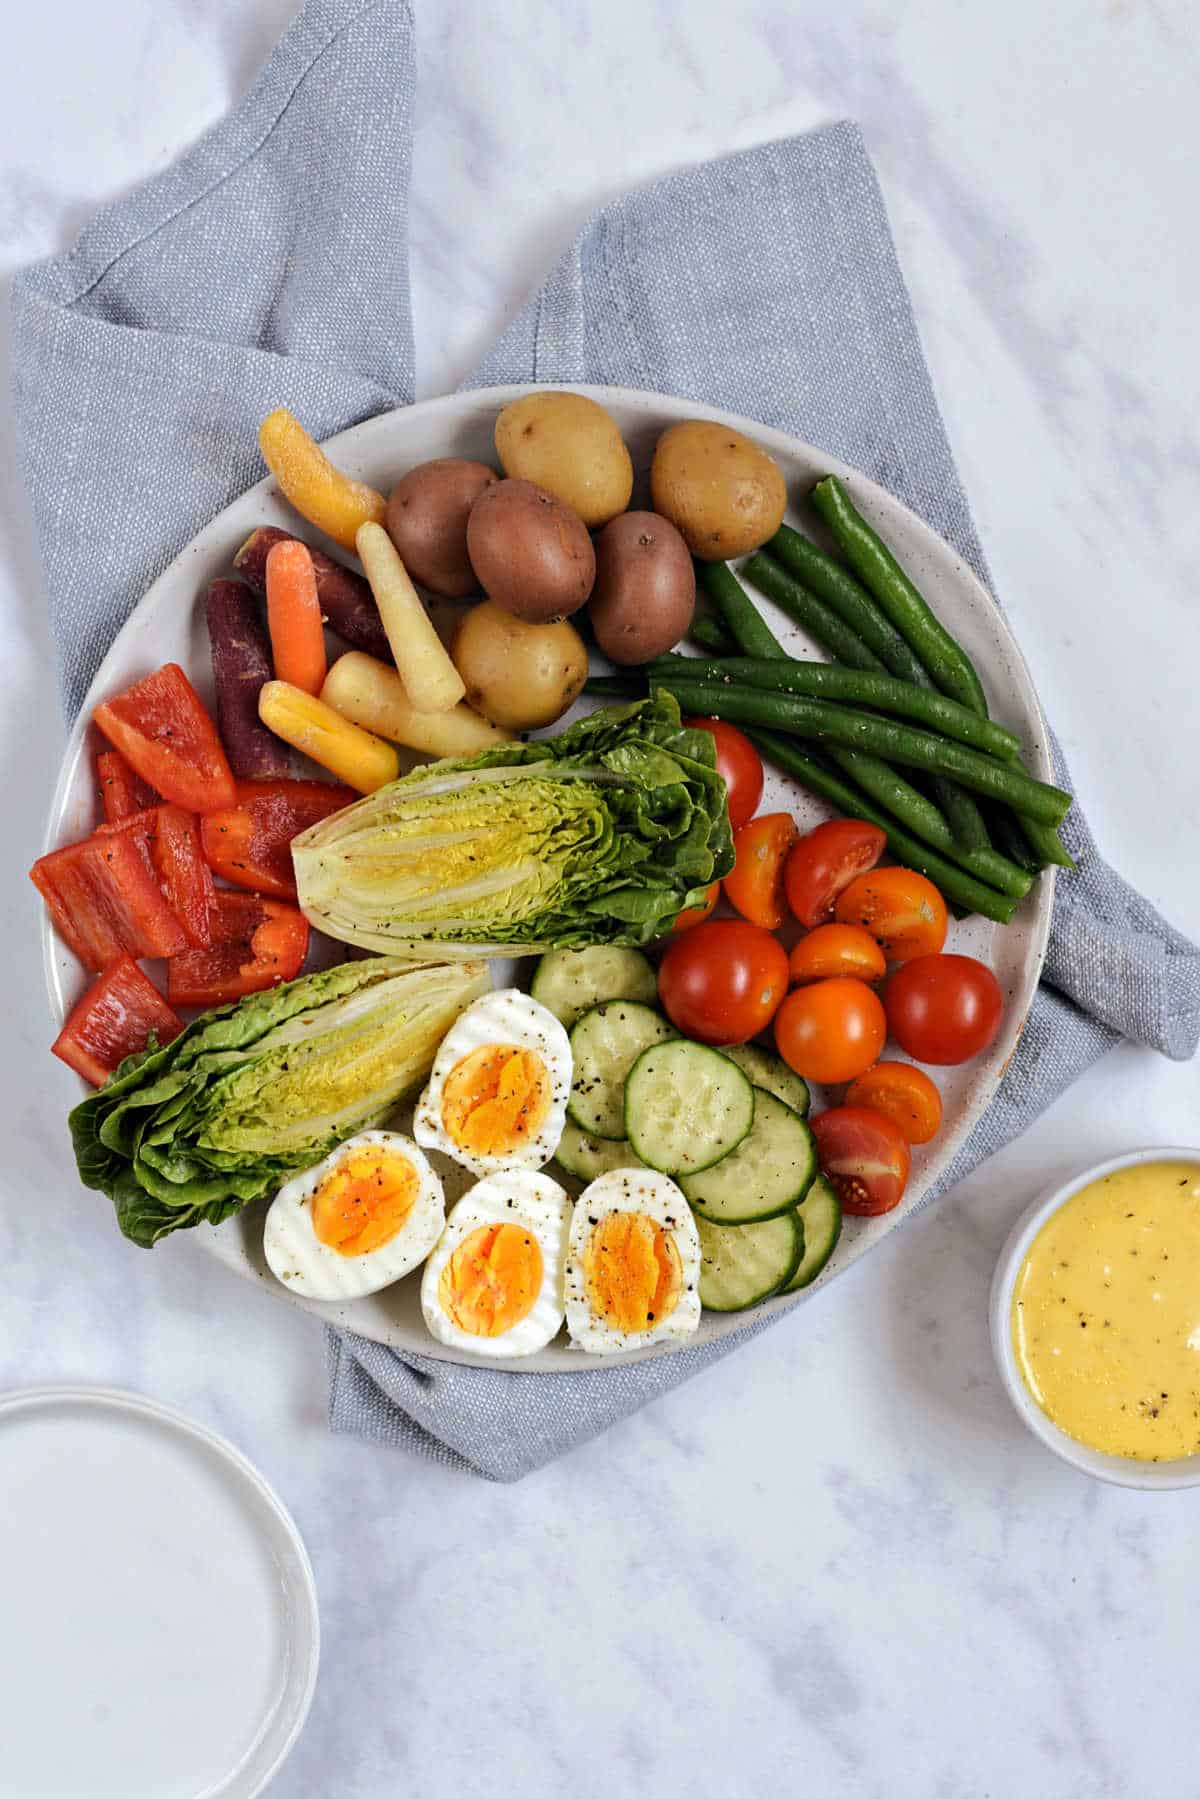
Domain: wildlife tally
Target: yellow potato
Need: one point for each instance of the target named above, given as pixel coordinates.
(371, 694)
(569, 445)
(725, 494)
(308, 480)
(521, 676)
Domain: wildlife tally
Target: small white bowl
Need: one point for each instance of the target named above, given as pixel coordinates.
(1120, 1470)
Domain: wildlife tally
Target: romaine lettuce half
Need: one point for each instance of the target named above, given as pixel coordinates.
(251, 1092)
(603, 834)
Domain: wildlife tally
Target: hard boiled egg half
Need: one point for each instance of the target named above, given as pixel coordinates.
(633, 1263)
(359, 1220)
(494, 1284)
(498, 1090)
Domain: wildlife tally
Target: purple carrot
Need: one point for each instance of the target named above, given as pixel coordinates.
(241, 659)
(346, 600)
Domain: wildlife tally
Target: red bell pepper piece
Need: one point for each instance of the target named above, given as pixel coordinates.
(256, 943)
(183, 873)
(105, 900)
(164, 733)
(121, 792)
(115, 1018)
(251, 844)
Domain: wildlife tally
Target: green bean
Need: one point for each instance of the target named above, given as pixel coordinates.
(1010, 838)
(812, 614)
(962, 813)
(959, 888)
(852, 686)
(1044, 840)
(708, 631)
(947, 662)
(881, 782)
(886, 737)
(850, 600)
(741, 617)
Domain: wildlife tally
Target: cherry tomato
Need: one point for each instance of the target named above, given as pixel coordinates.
(900, 908)
(695, 915)
(739, 766)
(902, 1093)
(831, 1031)
(836, 949)
(825, 861)
(722, 982)
(944, 1009)
(864, 1157)
(755, 888)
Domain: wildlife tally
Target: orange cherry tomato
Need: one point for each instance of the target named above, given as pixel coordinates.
(902, 1093)
(837, 949)
(831, 1031)
(755, 888)
(694, 915)
(902, 910)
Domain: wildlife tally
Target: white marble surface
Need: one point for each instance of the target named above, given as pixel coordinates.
(837, 1559)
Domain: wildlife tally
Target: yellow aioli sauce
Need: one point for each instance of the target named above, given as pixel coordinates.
(1106, 1313)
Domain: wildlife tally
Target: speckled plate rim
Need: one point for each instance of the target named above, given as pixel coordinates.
(1118, 1470)
(460, 424)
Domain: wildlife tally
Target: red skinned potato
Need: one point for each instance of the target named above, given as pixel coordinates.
(427, 514)
(346, 600)
(532, 554)
(645, 592)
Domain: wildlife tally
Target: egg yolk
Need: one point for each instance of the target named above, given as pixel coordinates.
(364, 1201)
(495, 1099)
(633, 1271)
(492, 1279)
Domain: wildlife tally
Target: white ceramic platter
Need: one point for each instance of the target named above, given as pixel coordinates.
(160, 1635)
(168, 625)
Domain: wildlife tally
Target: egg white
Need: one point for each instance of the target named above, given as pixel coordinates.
(297, 1257)
(539, 1205)
(657, 1196)
(507, 1016)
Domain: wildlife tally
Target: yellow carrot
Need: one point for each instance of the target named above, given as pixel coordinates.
(431, 681)
(372, 695)
(319, 492)
(316, 730)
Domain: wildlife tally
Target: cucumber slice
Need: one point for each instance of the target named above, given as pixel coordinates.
(588, 1157)
(821, 1215)
(686, 1106)
(742, 1264)
(569, 982)
(605, 1044)
(772, 1074)
(768, 1173)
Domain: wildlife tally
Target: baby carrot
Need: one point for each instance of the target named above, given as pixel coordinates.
(294, 617)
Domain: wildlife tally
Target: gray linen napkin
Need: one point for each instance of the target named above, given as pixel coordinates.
(268, 267)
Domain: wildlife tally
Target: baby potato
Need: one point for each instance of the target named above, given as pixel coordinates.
(645, 592)
(532, 554)
(569, 445)
(520, 676)
(427, 514)
(724, 492)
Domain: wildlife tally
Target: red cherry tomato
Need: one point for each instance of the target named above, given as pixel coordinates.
(694, 915)
(831, 1031)
(901, 909)
(722, 982)
(755, 887)
(825, 861)
(739, 766)
(864, 1157)
(836, 949)
(904, 1094)
(944, 1009)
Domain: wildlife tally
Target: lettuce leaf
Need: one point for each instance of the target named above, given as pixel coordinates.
(603, 834)
(250, 1093)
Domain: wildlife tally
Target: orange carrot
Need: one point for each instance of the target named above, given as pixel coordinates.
(294, 617)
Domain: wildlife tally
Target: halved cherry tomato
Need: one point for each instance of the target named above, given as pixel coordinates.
(121, 792)
(687, 921)
(104, 898)
(250, 844)
(901, 909)
(831, 1031)
(836, 949)
(256, 943)
(944, 1009)
(826, 860)
(739, 766)
(161, 728)
(115, 1018)
(902, 1093)
(722, 982)
(755, 887)
(864, 1157)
